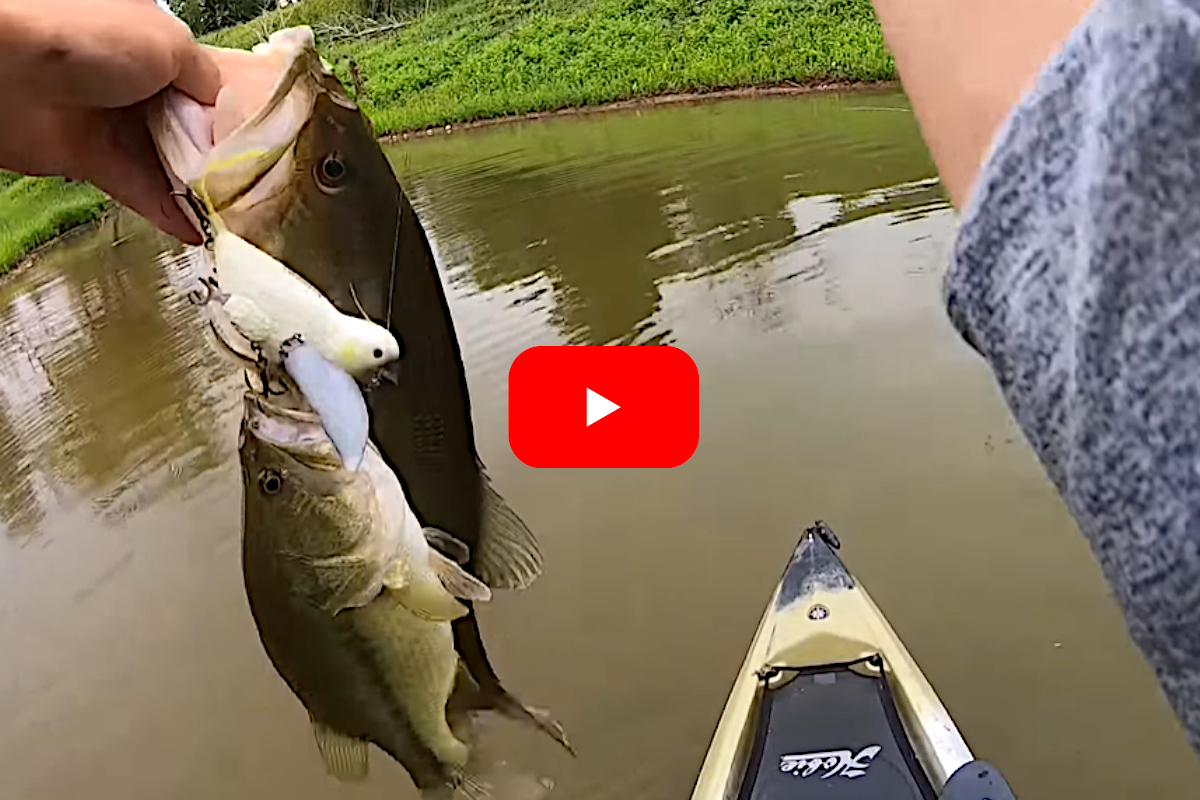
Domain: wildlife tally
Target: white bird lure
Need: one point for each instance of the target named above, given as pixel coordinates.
(270, 304)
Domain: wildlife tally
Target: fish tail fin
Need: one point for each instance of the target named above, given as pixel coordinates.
(474, 788)
(540, 718)
(469, 697)
(460, 786)
(453, 777)
(486, 776)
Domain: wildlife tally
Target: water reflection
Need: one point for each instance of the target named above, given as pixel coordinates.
(103, 377)
(794, 249)
(682, 190)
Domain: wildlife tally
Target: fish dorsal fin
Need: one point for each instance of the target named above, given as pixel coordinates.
(345, 758)
(458, 581)
(507, 556)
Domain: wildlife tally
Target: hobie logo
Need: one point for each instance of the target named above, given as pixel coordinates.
(830, 762)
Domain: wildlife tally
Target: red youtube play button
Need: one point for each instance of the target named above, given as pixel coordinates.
(603, 407)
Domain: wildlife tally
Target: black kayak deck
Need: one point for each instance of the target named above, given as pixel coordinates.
(832, 733)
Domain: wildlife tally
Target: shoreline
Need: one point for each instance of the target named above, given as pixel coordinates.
(787, 89)
(617, 106)
(110, 208)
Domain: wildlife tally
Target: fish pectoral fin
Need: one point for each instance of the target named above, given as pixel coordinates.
(507, 556)
(430, 601)
(397, 576)
(448, 545)
(457, 581)
(345, 757)
(432, 597)
(249, 320)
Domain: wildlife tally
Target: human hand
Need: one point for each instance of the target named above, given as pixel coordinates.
(76, 75)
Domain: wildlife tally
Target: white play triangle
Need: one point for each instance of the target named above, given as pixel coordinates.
(598, 407)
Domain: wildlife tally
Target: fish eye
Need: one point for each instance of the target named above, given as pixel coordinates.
(378, 353)
(331, 172)
(270, 481)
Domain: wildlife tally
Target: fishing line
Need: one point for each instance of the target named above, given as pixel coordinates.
(395, 253)
(354, 297)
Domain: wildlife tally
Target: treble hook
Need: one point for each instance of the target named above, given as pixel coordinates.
(200, 298)
(264, 367)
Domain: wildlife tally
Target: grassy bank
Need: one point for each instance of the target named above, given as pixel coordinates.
(35, 210)
(423, 63)
(474, 59)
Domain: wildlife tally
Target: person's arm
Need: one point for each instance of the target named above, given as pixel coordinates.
(1076, 274)
(964, 64)
(75, 73)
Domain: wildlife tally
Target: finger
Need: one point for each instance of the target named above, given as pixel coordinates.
(122, 161)
(198, 75)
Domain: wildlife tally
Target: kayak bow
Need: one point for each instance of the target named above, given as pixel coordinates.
(828, 702)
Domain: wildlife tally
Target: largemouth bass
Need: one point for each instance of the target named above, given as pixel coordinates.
(300, 175)
(351, 603)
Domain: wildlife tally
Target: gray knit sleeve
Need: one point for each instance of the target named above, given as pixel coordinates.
(1076, 274)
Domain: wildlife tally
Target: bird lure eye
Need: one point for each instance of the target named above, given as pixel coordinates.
(331, 173)
(270, 481)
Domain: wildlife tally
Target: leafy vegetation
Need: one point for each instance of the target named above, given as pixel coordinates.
(474, 59)
(203, 16)
(330, 19)
(35, 210)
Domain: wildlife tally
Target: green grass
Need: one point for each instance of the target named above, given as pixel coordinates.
(474, 59)
(35, 210)
(463, 60)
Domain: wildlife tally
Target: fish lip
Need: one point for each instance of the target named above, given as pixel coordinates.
(297, 43)
(299, 63)
(295, 434)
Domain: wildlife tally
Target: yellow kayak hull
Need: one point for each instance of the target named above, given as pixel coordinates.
(820, 615)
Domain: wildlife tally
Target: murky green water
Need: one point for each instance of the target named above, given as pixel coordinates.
(794, 248)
